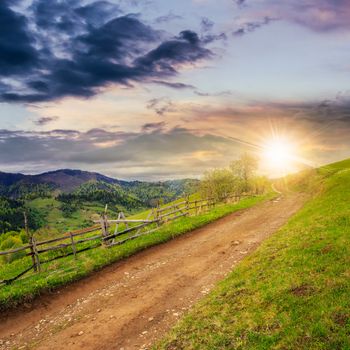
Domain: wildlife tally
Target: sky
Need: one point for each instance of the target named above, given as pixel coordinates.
(157, 89)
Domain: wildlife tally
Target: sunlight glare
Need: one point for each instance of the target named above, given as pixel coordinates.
(279, 153)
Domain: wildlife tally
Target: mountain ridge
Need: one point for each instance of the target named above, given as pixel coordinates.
(68, 180)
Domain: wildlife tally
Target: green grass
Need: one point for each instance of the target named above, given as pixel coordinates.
(293, 292)
(68, 269)
(57, 224)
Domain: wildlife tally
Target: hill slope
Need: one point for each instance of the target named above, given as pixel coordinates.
(67, 199)
(293, 293)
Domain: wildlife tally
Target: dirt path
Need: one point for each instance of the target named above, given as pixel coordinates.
(130, 304)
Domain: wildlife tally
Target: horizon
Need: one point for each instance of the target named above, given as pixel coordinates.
(97, 173)
(152, 90)
(154, 180)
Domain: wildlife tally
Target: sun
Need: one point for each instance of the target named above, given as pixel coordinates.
(279, 153)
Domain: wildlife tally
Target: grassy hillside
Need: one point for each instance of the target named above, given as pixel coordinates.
(293, 293)
(65, 270)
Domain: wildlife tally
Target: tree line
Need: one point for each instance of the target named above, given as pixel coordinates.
(240, 177)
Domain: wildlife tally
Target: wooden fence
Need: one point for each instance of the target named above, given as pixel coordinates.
(106, 232)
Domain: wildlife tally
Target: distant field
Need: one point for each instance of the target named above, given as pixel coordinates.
(57, 223)
(293, 292)
(68, 269)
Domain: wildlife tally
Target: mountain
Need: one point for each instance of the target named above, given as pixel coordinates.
(65, 199)
(7, 179)
(64, 180)
(67, 181)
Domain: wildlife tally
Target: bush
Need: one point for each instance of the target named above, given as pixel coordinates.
(9, 243)
(239, 178)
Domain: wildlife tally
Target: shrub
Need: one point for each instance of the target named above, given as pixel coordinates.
(9, 243)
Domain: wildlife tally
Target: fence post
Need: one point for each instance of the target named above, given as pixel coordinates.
(30, 241)
(156, 213)
(187, 205)
(73, 245)
(36, 254)
(104, 228)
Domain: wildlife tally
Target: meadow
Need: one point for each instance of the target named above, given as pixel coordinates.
(66, 270)
(293, 292)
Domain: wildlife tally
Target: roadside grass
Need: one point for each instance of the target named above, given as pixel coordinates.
(68, 269)
(293, 292)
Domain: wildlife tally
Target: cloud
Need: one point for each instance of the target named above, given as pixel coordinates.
(239, 3)
(153, 154)
(186, 49)
(98, 12)
(220, 93)
(64, 48)
(167, 18)
(321, 15)
(174, 85)
(161, 105)
(250, 27)
(153, 127)
(317, 15)
(328, 112)
(45, 120)
(209, 38)
(18, 55)
(159, 149)
(206, 24)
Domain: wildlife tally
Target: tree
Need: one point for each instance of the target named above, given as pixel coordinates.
(244, 169)
(260, 184)
(217, 184)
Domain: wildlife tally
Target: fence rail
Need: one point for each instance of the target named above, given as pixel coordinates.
(106, 235)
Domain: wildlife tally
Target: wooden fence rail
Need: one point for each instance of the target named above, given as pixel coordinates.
(156, 218)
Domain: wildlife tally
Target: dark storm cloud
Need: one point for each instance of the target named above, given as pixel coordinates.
(17, 53)
(98, 12)
(89, 47)
(185, 49)
(56, 15)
